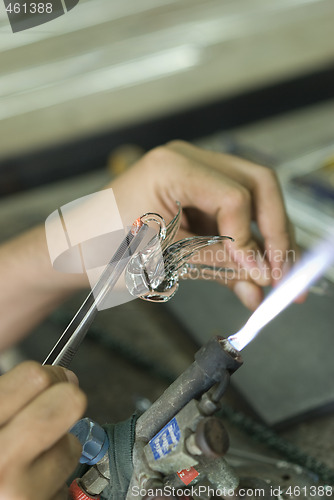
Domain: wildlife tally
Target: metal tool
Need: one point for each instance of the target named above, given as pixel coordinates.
(68, 344)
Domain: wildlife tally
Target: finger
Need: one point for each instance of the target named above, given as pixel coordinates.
(209, 191)
(244, 250)
(26, 381)
(229, 203)
(269, 209)
(272, 219)
(170, 173)
(171, 176)
(50, 471)
(213, 263)
(43, 422)
(248, 293)
(189, 182)
(223, 199)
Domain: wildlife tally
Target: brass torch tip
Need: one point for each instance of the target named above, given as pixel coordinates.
(228, 347)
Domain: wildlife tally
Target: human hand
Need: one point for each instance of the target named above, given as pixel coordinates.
(38, 406)
(220, 194)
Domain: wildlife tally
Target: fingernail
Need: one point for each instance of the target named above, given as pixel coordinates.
(71, 377)
(248, 293)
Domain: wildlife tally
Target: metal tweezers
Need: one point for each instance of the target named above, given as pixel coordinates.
(68, 344)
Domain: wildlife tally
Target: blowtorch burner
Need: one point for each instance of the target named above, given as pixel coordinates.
(179, 433)
(176, 433)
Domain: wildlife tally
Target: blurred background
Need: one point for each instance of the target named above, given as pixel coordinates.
(109, 72)
(84, 95)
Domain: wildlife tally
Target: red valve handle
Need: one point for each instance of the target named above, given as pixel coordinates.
(76, 493)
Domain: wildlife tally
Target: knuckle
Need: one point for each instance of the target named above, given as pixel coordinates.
(156, 154)
(267, 175)
(37, 374)
(161, 155)
(238, 198)
(152, 159)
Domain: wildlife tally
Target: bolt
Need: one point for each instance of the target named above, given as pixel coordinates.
(93, 482)
(93, 438)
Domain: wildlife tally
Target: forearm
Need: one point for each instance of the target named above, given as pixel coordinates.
(30, 288)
